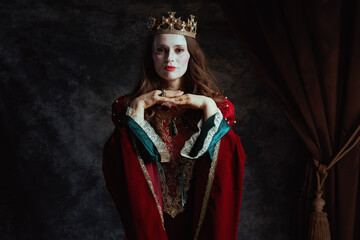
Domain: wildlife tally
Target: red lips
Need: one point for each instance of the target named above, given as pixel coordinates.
(170, 68)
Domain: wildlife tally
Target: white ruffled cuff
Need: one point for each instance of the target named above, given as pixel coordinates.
(150, 131)
(210, 134)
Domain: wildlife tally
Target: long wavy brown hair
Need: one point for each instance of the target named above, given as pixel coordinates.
(198, 79)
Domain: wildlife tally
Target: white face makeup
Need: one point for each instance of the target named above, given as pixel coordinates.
(170, 56)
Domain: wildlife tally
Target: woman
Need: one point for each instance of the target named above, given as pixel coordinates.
(173, 165)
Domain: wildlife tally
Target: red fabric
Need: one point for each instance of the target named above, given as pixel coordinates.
(228, 111)
(132, 196)
(224, 203)
(152, 170)
(129, 190)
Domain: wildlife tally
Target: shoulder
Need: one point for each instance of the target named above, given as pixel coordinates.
(119, 104)
(228, 111)
(118, 110)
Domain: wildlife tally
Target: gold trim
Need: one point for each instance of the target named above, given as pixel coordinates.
(148, 180)
(208, 189)
(172, 202)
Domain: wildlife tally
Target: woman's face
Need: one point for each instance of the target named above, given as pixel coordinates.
(171, 56)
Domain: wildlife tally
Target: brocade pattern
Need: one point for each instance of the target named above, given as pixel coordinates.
(171, 189)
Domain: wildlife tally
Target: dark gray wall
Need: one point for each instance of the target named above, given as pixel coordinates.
(63, 63)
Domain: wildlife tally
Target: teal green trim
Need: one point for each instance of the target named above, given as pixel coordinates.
(210, 122)
(151, 152)
(147, 149)
(182, 184)
(223, 129)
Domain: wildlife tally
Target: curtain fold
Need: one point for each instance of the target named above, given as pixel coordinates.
(307, 54)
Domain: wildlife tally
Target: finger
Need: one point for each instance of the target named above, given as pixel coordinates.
(173, 93)
(164, 99)
(187, 101)
(157, 93)
(156, 97)
(182, 100)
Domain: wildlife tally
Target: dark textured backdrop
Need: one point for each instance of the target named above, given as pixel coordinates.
(63, 63)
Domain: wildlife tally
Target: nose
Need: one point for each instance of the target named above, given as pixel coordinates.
(171, 56)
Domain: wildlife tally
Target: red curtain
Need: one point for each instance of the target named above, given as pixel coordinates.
(307, 53)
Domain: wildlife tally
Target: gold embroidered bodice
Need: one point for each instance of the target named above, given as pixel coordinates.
(171, 197)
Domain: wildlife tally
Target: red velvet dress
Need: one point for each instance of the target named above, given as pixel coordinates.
(149, 200)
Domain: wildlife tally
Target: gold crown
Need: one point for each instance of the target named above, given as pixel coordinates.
(173, 25)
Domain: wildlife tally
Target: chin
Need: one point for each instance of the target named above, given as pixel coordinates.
(170, 77)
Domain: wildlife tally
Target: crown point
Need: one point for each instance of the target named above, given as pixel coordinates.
(167, 25)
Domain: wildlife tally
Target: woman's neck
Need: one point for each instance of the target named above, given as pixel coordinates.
(172, 85)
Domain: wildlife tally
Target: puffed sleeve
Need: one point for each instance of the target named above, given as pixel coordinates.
(118, 111)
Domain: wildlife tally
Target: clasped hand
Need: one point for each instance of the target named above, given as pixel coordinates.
(176, 97)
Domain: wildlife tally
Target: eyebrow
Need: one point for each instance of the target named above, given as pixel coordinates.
(162, 45)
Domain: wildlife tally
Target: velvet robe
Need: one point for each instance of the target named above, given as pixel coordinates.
(131, 182)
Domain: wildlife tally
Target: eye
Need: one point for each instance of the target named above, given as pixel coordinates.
(160, 50)
(179, 50)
